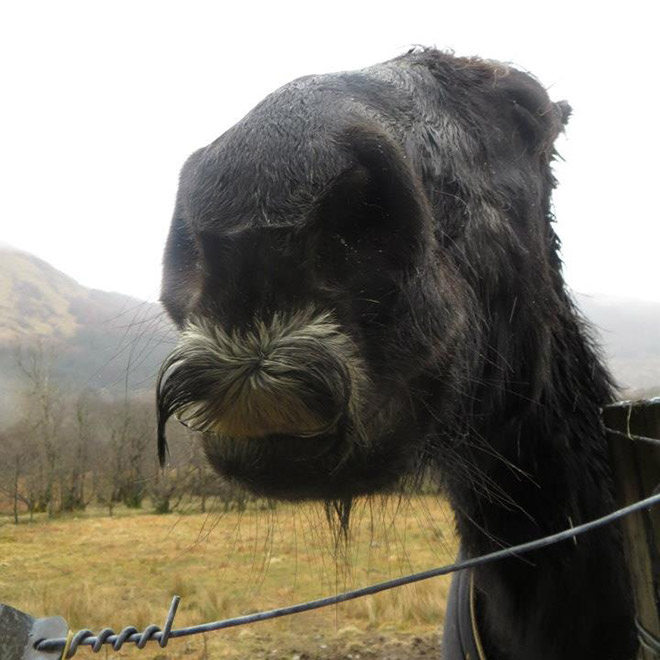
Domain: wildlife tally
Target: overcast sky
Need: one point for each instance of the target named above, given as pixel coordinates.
(103, 101)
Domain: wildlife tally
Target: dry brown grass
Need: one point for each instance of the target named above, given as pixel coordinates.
(100, 571)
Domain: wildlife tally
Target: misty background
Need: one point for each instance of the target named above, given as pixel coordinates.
(103, 103)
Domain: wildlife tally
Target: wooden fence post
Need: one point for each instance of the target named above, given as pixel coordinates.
(633, 432)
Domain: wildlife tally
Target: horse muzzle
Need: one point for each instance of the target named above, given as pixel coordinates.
(294, 375)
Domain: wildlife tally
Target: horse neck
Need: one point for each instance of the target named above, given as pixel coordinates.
(525, 476)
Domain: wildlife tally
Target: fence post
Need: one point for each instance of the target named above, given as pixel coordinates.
(632, 428)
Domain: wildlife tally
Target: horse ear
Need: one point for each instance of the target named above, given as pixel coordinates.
(564, 111)
(539, 120)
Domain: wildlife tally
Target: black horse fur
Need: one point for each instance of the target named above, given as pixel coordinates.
(368, 284)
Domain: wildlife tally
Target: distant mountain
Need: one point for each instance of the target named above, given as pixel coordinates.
(629, 331)
(34, 298)
(95, 339)
(113, 343)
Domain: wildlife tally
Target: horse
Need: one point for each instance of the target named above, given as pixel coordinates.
(368, 285)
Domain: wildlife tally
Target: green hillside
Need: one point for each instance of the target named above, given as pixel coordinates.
(93, 339)
(35, 298)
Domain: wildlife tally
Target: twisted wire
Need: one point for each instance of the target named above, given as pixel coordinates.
(108, 636)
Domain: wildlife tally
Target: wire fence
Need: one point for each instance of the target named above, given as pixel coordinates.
(153, 633)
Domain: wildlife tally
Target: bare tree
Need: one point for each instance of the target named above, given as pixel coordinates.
(76, 459)
(17, 457)
(122, 476)
(43, 419)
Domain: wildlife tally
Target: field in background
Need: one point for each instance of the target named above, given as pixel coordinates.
(98, 571)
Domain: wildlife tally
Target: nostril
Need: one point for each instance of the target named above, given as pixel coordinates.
(256, 365)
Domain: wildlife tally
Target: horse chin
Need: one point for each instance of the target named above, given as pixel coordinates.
(296, 468)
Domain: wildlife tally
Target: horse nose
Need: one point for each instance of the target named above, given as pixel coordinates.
(279, 389)
(293, 375)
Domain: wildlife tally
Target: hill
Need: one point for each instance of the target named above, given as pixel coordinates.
(113, 343)
(94, 339)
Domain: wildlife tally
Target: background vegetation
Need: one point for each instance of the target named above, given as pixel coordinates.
(97, 570)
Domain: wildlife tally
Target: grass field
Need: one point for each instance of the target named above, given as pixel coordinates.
(97, 571)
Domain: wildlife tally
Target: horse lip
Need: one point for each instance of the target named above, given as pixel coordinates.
(322, 433)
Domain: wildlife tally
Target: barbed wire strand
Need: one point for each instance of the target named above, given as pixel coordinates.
(635, 438)
(154, 633)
